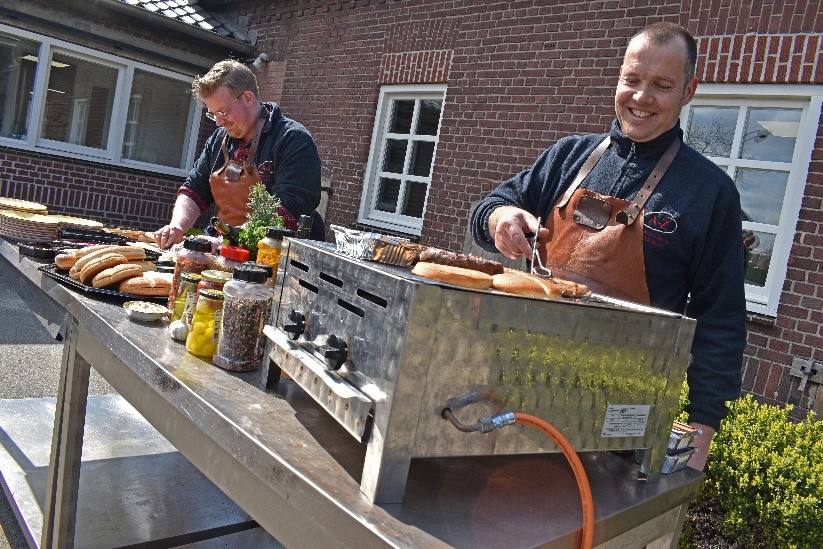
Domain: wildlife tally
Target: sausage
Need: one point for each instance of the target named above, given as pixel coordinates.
(454, 259)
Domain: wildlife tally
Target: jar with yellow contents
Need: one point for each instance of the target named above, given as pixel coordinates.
(270, 247)
(186, 297)
(204, 334)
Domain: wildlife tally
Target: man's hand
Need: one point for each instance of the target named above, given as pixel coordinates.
(702, 443)
(168, 236)
(508, 226)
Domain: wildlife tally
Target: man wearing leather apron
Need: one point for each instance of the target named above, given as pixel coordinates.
(638, 214)
(253, 143)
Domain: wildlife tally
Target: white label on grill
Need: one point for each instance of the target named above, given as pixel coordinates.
(625, 420)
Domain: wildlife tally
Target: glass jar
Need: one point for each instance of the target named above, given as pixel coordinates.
(204, 333)
(231, 257)
(246, 310)
(194, 257)
(270, 248)
(213, 279)
(186, 297)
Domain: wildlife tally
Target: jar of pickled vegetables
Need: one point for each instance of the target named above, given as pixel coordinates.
(186, 297)
(194, 257)
(213, 279)
(204, 334)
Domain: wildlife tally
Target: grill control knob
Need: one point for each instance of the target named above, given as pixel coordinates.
(296, 325)
(335, 352)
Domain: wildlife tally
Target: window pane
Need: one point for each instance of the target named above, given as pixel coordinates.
(422, 155)
(158, 120)
(770, 134)
(18, 63)
(395, 156)
(429, 117)
(761, 194)
(79, 102)
(387, 194)
(414, 202)
(711, 130)
(401, 117)
(758, 258)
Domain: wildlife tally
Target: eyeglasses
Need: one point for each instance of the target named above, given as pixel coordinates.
(223, 114)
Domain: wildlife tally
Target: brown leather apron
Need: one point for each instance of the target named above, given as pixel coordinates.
(230, 184)
(594, 239)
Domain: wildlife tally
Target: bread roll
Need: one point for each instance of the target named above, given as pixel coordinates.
(520, 284)
(149, 284)
(98, 264)
(131, 253)
(113, 275)
(458, 276)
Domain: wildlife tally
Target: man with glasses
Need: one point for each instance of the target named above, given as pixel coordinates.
(253, 142)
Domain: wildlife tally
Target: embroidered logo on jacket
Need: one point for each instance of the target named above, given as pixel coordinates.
(661, 222)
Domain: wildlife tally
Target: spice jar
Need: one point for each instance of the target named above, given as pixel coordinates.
(245, 311)
(194, 257)
(270, 247)
(186, 297)
(204, 333)
(231, 257)
(213, 279)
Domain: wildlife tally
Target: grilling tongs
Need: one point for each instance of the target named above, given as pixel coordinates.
(536, 265)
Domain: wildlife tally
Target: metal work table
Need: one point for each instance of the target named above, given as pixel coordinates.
(297, 472)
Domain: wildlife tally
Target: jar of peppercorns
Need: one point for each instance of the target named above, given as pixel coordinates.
(246, 310)
(204, 334)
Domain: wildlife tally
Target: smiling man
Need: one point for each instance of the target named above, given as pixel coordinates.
(638, 214)
(253, 142)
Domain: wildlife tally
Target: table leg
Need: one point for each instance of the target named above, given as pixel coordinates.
(60, 507)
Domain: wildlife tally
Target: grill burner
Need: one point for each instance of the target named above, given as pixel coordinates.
(385, 351)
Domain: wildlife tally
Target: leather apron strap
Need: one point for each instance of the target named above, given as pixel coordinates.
(593, 238)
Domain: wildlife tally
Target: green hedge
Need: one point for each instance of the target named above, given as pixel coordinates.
(764, 479)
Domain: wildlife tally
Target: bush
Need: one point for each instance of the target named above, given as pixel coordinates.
(764, 478)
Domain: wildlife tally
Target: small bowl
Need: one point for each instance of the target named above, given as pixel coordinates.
(145, 311)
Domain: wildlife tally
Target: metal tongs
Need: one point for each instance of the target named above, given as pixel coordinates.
(536, 264)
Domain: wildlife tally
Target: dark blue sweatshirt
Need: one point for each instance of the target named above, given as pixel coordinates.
(692, 247)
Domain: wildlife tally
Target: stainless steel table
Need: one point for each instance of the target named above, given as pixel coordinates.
(297, 472)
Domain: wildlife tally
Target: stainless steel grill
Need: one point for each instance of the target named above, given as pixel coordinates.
(384, 351)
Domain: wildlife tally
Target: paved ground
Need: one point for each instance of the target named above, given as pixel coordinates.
(29, 368)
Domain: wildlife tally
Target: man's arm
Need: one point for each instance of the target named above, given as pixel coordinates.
(186, 211)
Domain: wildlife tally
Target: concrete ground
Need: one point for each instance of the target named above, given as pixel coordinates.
(29, 368)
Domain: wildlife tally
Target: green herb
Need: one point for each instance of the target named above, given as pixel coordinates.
(262, 215)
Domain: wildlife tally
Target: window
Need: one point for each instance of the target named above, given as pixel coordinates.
(763, 137)
(401, 159)
(71, 101)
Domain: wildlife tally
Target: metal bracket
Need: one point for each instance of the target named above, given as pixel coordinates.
(807, 371)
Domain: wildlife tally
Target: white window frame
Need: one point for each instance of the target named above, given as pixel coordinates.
(368, 214)
(113, 153)
(766, 299)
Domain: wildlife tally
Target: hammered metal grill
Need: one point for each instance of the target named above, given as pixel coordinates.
(607, 374)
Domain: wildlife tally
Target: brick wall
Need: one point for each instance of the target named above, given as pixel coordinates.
(113, 196)
(520, 75)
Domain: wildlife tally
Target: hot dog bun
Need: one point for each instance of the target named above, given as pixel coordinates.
(519, 283)
(458, 276)
(98, 264)
(113, 275)
(131, 253)
(149, 284)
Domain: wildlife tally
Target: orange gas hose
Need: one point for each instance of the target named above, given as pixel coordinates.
(577, 468)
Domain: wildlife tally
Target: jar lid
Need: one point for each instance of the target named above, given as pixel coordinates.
(213, 275)
(197, 244)
(191, 277)
(234, 252)
(278, 233)
(268, 268)
(249, 273)
(210, 293)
